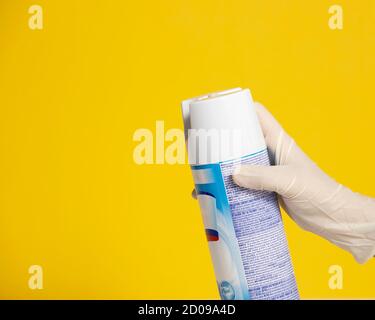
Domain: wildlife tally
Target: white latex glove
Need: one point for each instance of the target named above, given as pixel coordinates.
(312, 199)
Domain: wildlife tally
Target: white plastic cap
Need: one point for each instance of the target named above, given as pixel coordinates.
(231, 113)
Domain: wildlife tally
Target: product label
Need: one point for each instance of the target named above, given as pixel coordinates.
(245, 234)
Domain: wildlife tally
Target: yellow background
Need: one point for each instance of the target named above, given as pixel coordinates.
(71, 96)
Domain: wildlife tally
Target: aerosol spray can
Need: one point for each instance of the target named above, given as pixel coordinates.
(244, 228)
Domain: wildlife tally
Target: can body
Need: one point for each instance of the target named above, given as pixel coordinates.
(243, 227)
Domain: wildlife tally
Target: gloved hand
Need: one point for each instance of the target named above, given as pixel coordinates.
(312, 199)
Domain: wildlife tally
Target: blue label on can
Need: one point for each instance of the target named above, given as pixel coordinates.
(245, 234)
